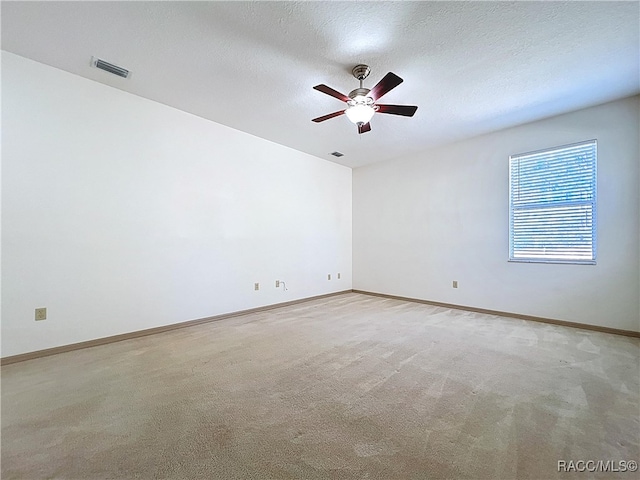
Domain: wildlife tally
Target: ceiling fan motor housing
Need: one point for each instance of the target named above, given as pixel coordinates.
(359, 92)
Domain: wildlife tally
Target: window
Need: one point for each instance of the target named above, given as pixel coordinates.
(552, 205)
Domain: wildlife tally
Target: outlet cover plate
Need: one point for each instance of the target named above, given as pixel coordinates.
(41, 314)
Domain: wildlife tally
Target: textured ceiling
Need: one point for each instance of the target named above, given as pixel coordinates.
(471, 67)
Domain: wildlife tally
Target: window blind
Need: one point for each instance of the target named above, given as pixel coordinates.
(552, 205)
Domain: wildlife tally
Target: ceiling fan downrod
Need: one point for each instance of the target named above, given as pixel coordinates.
(360, 72)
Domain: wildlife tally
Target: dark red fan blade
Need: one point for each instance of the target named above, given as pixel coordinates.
(328, 116)
(404, 110)
(388, 83)
(330, 91)
(364, 128)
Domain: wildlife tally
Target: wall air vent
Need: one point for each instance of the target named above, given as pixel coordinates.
(337, 154)
(109, 67)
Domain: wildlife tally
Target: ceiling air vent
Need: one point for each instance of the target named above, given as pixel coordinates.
(109, 67)
(337, 154)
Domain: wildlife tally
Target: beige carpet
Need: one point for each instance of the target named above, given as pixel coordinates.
(349, 387)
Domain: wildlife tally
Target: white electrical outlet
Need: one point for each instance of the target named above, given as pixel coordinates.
(277, 283)
(41, 314)
(256, 286)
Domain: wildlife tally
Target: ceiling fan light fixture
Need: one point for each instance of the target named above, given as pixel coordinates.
(360, 113)
(360, 110)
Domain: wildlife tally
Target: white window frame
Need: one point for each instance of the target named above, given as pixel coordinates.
(532, 254)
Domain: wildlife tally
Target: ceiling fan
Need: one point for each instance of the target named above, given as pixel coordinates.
(361, 102)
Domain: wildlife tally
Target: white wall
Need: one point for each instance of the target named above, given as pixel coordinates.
(120, 214)
(421, 222)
